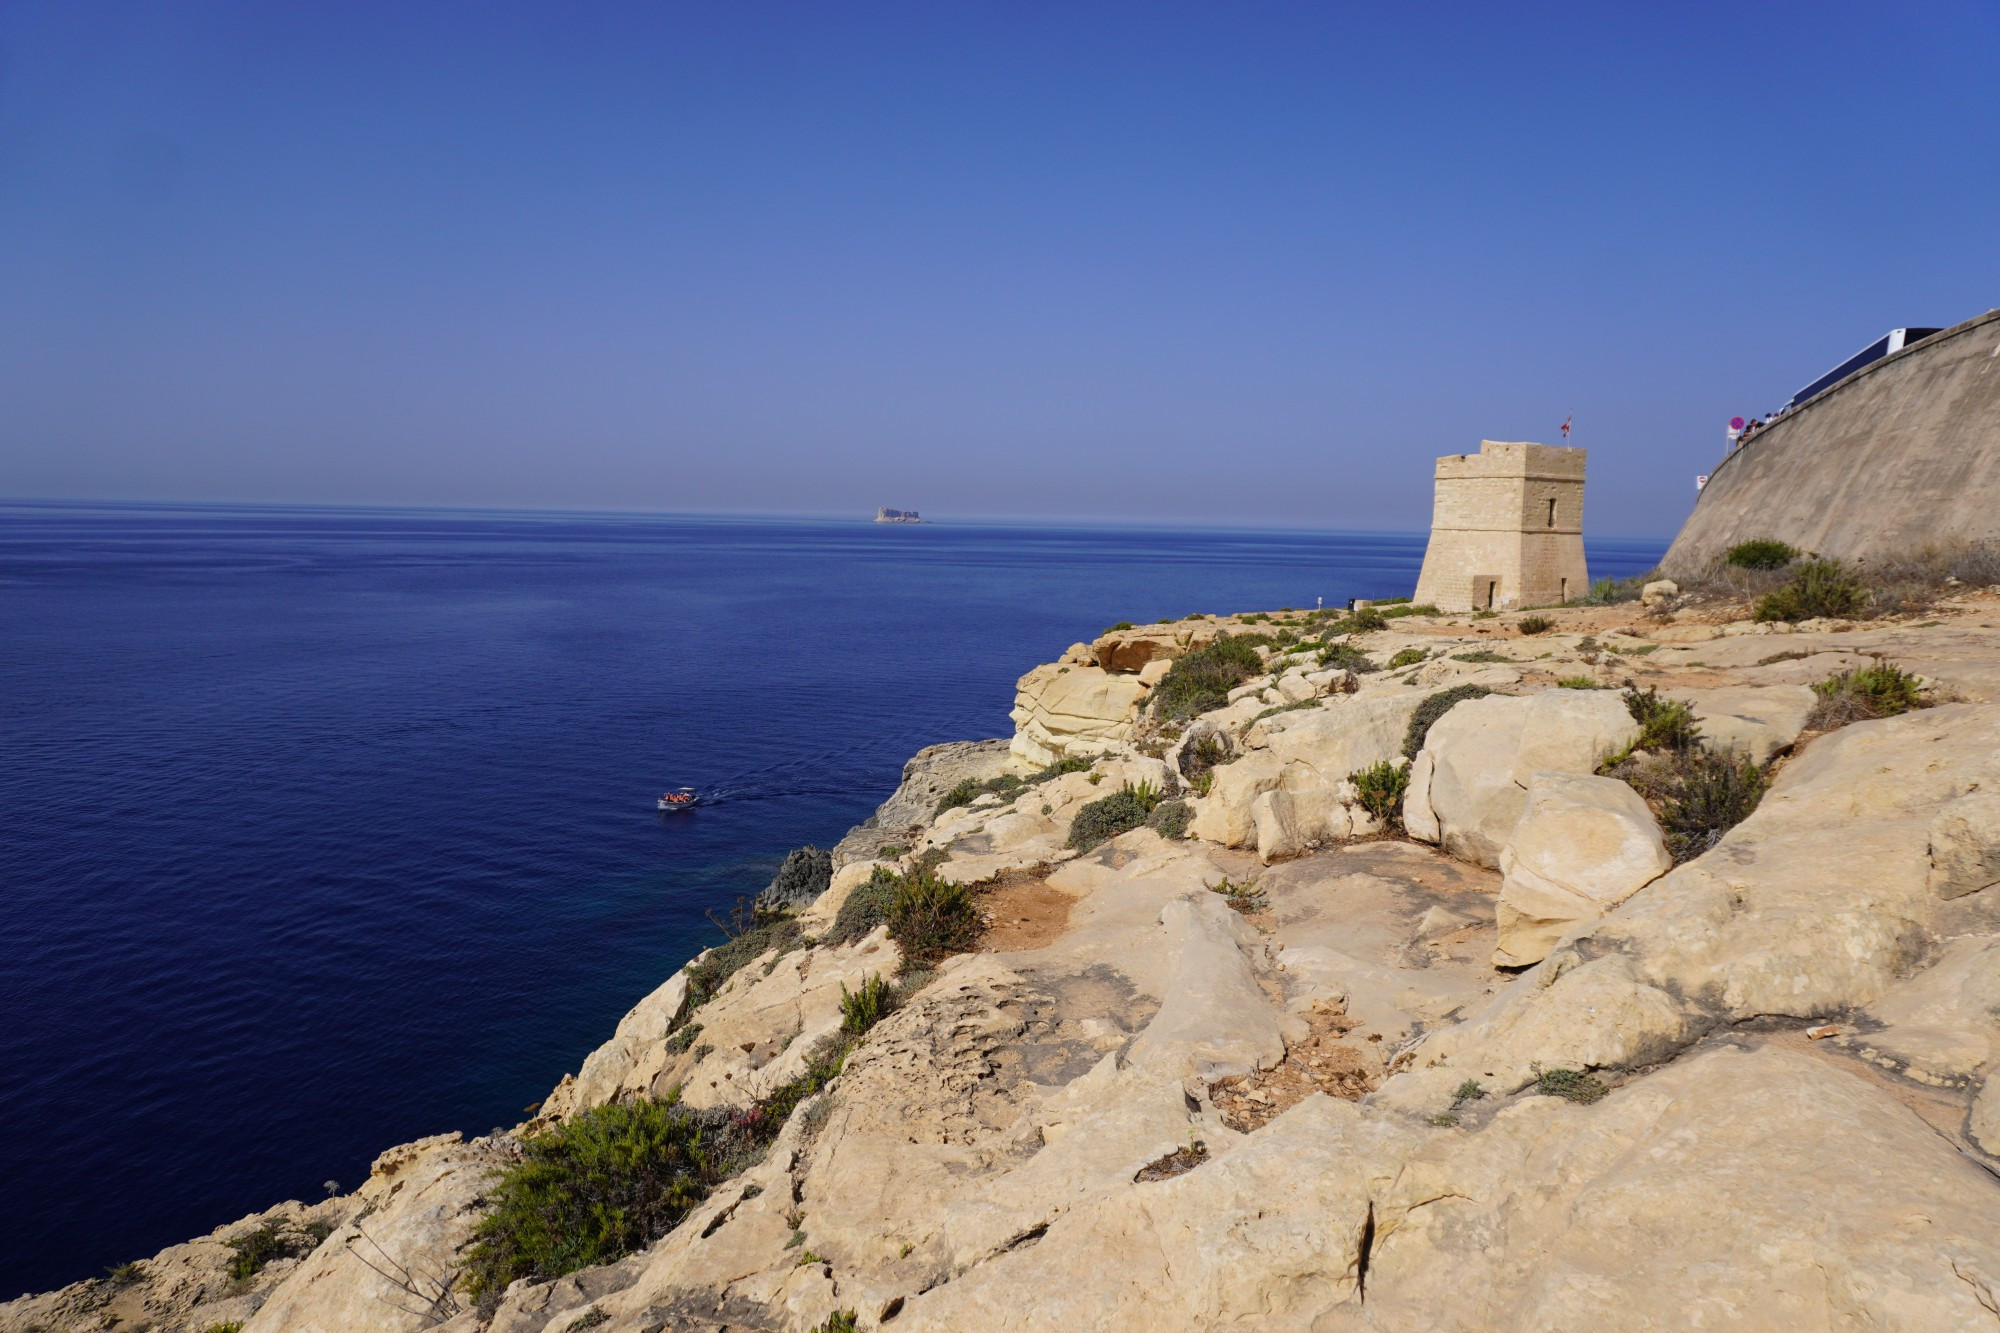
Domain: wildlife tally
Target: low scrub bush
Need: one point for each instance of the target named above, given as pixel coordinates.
(1276, 709)
(1202, 754)
(931, 918)
(864, 1008)
(1535, 625)
(1762, 554)
(1572, 1085)
(1421, 609)
(607, 1182)
(1579, 683)
(1201, 680)
(1364, 621)
(1407, 657)
(1123, 624)
(1817, 588)
(253, 1249)
(1108, 816)
(1609, 592)
(1710, 794)
(1882, 690)
(971, 789)
(1170, 819)
(1243, 896)
(1481, 655)
(1073, 764)
(1664, 724)
(867, 907)
(1433, 708)
(1346, 657)
(1697, 794)
(708, 976)
(124, 1275)
(1379, 789)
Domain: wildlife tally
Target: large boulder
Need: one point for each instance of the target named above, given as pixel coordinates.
(799, 882)
(1815, 906)
(1482, 753)
(1583, 845)
(1293, 791)
(1132, 649)
(1066, 710)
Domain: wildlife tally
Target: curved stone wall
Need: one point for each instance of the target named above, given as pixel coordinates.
(1899, 454)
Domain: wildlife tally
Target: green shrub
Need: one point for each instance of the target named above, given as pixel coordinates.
(1407, 657)
(863, 1009)
(867, 907)
(707, 977)
(1608, 591)
(965, 793)
(1535, 625)
(1433, 708)
(1569, 1084)
(1708, 795)
(1123, 624)
(1481, 655)
(1366, 620)
(261, 1244)
(236, 1326)
(1170, 819)
(1881, 690)
(125, 1274)
(1245, 897)
(1201, 680)
(603, 1184)
(1108, 816)
(682, 1038)
(1379, 788)
(1469, 1091)
(1762, 554)
(1579, 683)
(1664, 724)
(840, 1321)
(1346, 657)
(931, 918)
(1818, 588)
(1423, 609)
(1276, 709)
(1201, 755)
(1073, 764)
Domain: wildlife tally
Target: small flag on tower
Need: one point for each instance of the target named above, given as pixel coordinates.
(1566, 420)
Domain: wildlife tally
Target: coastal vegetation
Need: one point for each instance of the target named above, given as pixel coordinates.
(601, 1185)
(1817, 589)
(1881, 690)
(1763, 553)
(1431, 709)
(1379, 790)
(1108, 816)
(1201, 680)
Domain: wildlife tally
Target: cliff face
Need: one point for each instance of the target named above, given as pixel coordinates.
(1901, 454)
(1287, 1072)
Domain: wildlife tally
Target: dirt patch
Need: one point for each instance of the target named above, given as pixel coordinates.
(1321, 1062)
(1023, 914)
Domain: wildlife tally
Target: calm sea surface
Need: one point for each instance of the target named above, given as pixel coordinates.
(321, 830)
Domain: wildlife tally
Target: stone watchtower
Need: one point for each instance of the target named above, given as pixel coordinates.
(1506, 530)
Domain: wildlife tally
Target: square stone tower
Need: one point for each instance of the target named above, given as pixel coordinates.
(1506, 529)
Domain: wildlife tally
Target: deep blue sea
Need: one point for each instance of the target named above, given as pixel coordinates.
(324, 829)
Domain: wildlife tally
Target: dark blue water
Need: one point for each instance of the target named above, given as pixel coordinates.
(321, 830)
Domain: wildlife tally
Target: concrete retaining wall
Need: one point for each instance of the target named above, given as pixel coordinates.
(1901, 453)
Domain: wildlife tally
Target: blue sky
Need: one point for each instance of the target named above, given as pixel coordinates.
(1208, 263)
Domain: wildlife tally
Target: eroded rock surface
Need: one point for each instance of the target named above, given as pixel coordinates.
(1279, 1074)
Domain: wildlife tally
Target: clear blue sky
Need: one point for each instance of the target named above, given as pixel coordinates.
(1223, 263)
